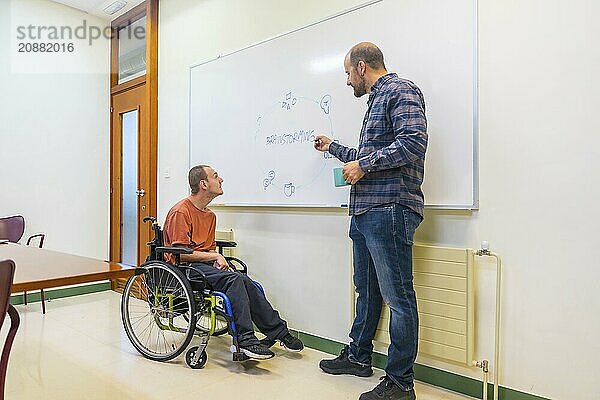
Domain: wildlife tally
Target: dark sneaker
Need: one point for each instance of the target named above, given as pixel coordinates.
(341, 365)
(388, 390)
(257, 351)
(289, 342)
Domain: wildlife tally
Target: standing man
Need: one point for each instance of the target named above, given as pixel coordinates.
(386, 205)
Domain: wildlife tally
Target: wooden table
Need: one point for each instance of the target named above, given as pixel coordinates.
(42, 269)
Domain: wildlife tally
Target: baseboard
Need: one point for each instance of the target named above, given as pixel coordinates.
(34, 296)
(433, 376)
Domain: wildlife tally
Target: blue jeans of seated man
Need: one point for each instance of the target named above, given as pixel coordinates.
(382, 241)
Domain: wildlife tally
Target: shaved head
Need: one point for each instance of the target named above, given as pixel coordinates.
(197, 174)
(367, 52)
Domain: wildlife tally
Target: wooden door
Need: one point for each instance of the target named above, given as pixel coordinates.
(132, 181)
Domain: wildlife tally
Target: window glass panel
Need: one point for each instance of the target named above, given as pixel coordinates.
(132, 50)
(129, 188)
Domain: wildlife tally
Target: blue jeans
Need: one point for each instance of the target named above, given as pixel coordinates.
(382, 241)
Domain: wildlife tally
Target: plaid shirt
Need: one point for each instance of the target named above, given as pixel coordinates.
(391, 149)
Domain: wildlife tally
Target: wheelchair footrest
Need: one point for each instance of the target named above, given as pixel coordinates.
(239, 356)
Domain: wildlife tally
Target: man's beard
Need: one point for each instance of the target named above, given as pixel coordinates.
(360, 89)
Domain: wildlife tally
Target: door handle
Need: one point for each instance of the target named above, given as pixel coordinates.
(140, 192)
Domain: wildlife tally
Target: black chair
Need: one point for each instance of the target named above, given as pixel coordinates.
(12, 228)
(7, 274)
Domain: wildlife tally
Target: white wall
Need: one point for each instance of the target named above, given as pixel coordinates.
(538, 156)
(54, 132)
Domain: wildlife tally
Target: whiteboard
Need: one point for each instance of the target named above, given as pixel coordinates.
(254, 112)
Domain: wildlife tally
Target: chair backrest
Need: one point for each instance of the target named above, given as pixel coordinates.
(40, 240)
(12, 228)
(7, 274)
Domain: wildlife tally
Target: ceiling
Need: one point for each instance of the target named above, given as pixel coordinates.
(96, 7)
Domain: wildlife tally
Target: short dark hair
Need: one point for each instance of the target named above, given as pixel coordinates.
(196, 175)
(367, 52)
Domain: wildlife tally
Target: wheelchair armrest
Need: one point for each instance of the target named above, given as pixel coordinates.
(226, 243)
(174, 250)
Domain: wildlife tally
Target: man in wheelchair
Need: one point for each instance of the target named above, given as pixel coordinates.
(191, 224)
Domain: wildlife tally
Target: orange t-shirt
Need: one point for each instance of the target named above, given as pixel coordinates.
(190, 227)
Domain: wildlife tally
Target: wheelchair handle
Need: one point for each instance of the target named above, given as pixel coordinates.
(149, 218)
(244, 269)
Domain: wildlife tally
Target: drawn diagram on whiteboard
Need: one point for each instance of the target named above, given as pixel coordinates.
(289, 189)
(324, 103)
(289, 101)
(269, 179)
(284, 140)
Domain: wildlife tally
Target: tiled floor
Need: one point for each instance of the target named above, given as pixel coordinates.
(78, 350)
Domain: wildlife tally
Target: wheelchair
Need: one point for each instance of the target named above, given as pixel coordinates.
(165, 305)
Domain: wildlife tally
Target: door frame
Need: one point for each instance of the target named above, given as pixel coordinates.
(148, 8)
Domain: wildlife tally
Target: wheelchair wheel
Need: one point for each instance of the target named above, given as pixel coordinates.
(191, 353)
(155, 309)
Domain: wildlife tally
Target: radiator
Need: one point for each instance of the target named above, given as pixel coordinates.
(443, 279)
(226, 235)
